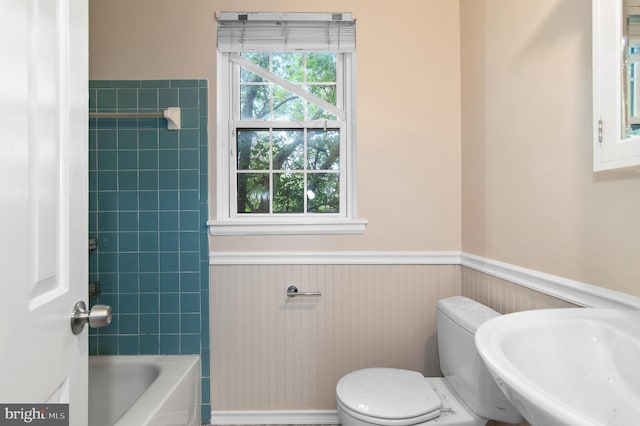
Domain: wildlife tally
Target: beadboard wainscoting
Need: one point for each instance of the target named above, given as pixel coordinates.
(505, 296)
(277, 359)
(273, 352)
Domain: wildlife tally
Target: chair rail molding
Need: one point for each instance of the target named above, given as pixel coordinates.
(579, 293)
(334, 258)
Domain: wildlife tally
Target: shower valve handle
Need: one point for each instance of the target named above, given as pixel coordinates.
(98, 316)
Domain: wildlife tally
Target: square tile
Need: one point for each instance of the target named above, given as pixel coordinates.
(168, 179)
(150, 303)
(169, 303)
(190, 302)
(168, 200)
(127, 99)
(128, 242)
(189, 343)
(148, 99)
(127, 200)
(107, 345)
(128, 345)
(128, 159)
(149, 323)
(190, 323)
(128, 324)
(169, 344)
(168, 139)
(128, 303)
(128, 283)
(149, 262)
(168, 159)
(189, 139)
(167, 98)
(169, 282)
(107, 100)
(189, 97)
(148, 241)
(149, 344)
(169, 323)
(169, 262)
(149, 282)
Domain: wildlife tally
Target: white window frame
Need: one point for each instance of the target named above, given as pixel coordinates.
(228, 221)
(611, 148)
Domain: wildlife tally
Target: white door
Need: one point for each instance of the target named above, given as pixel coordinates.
(43, 193)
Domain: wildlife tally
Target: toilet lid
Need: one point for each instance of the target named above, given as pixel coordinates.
(388, 393)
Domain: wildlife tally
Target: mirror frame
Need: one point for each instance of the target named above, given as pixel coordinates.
(611, 150)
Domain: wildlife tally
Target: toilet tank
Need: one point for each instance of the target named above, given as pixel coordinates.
(458, 319)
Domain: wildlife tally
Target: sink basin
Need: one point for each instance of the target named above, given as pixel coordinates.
(567, 366)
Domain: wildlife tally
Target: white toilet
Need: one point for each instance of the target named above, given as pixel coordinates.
(467, 395)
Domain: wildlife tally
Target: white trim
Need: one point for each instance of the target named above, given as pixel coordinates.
(580, 293)
(287, 227)
(297, 417)
(228, 221)
(573, 291)
(334, 258)
(616, 150)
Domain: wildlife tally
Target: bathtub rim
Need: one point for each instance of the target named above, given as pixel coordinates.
(174, 369)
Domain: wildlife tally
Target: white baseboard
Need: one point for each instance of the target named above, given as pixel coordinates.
(281, 417)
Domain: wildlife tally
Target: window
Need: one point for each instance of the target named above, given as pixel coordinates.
(286, 125)
(616, 109)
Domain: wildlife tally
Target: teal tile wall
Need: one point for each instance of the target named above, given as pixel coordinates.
(148, 208)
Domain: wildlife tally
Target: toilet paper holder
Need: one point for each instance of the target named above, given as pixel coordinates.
(292, 291)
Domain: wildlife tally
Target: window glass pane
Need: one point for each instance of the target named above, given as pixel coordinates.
(253, 193)
(253, 149)
(327, 93)
(282, 168)
(321, 67)
(288, 190)
(323, 193)
(288, 149)
(289, 65)
(259, 58)
(323, 152)
(254, 102)
(286, 105)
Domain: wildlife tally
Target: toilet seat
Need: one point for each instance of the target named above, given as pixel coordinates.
(388, 395)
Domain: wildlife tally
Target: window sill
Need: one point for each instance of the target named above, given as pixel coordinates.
(287, 227)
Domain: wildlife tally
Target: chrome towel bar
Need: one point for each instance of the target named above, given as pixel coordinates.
(292, 291)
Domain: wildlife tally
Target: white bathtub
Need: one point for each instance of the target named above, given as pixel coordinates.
(144, 390)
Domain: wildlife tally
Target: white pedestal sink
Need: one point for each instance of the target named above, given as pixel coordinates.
(567, 366)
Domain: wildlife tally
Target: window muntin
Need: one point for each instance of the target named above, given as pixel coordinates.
(287, 145)
(288, 171)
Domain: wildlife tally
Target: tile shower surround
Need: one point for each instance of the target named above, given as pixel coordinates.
(148, 208)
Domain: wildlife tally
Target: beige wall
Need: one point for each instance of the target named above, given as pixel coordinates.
(408, 97)
(529, 195)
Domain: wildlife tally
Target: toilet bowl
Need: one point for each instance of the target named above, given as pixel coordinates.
(412, 400)
(466, 396)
